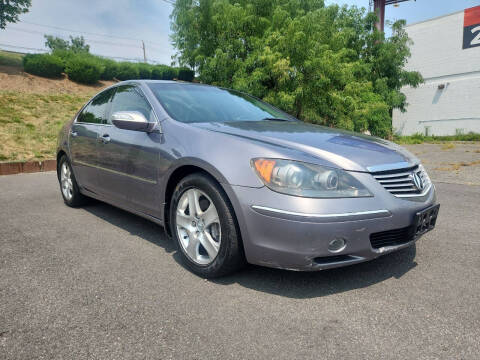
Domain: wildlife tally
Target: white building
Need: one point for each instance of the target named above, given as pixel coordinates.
(446, 51)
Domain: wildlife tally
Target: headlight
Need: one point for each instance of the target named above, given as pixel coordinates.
(307, 180)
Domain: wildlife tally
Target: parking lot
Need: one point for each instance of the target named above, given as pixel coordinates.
(100, 283)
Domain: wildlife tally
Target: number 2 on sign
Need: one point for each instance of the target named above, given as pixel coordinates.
(476, 39)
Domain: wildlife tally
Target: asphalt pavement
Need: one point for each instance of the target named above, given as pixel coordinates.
(100, 283)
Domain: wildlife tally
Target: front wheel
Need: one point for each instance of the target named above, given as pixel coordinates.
(204, 227)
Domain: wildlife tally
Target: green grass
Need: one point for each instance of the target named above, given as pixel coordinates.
(30, 123)
(10, 59)
(420, 139)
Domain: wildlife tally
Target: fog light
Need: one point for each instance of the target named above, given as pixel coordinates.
(337, 245)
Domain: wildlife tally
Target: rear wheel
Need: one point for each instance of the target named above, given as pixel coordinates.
(68, 185)
(204, 227)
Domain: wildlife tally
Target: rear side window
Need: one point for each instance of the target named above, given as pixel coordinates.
(95, 112)
(129, 98)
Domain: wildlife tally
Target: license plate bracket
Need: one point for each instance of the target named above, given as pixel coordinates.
(425, 220)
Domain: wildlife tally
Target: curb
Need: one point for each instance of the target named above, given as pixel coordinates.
(12, 168)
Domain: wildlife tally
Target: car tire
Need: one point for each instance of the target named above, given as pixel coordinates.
(68, 184)
(226, 238)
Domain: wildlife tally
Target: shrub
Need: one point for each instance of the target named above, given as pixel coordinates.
(127, 71)
(110, 69)
(63, 54)
(157, 73)
(43, 65)
(170, 73)
(84, 69)
(164, 72)
(144, 71)
(185, 74)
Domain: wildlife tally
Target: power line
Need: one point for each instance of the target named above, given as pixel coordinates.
(23, 47)
(104, 56)
(88, 40)
(87, 33)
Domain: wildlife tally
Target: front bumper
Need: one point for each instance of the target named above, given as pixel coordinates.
(293, 233)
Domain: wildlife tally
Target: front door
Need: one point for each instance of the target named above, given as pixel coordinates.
(83, 139)
(129, 159)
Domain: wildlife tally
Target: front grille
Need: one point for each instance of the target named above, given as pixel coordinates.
(392, 237)
(401, 183)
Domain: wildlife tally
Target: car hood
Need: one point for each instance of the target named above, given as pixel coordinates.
(347, 150)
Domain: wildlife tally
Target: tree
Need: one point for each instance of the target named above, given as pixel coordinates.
(55, 43)
(11, 9)
(323, 64)
(76, 44)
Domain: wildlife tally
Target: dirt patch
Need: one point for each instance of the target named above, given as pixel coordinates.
(14, 79)
(448, 146)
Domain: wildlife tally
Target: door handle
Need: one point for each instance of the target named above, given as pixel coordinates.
(105, 138)
(73, 133)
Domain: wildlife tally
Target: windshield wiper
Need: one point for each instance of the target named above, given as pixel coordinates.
(275, 119)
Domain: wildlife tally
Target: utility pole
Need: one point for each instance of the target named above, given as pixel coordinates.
(144, 55)
(379, 9)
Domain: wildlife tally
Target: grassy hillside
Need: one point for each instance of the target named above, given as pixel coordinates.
(29, 123)
(33, 109)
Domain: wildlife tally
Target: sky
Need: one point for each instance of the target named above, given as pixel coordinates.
(116, 28)
(415, 11)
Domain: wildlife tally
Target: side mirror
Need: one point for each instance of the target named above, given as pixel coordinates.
(132, 120)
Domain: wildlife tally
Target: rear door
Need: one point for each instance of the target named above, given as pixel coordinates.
(128, 159)
(84, 138)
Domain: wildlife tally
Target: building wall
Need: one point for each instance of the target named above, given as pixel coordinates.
(438, 55)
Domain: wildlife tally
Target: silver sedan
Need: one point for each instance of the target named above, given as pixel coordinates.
(235, 180)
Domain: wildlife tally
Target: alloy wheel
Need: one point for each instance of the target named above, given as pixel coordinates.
(198, 226)
(66, 181)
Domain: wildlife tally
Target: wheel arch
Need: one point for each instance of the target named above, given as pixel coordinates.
(60, 153)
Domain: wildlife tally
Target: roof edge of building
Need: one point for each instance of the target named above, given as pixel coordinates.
(435, 18)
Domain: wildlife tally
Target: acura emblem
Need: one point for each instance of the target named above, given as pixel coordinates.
(417, 180)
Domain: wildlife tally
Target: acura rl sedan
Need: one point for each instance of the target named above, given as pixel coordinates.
(234, 180)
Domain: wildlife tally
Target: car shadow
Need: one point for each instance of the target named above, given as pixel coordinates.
(292, 284)
(131, 223)
(302, 285)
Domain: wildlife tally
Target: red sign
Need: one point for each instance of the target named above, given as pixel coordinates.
(471, 28)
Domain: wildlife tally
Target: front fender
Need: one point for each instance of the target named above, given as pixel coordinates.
(206, 167)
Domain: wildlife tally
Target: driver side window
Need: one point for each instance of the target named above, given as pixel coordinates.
(95, 111)
(129, 98)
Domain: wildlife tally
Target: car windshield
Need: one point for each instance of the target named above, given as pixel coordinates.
(201, 103)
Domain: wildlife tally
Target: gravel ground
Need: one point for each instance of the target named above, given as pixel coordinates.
(99, 283)
(453, 162)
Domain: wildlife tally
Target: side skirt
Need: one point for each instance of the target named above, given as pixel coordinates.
(121, 206)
